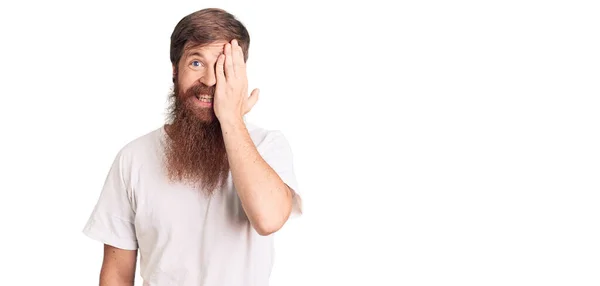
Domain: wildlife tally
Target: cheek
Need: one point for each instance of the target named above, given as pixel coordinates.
(188, 78)
(185, 83)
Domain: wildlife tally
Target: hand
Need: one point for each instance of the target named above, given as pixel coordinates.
(231, 100)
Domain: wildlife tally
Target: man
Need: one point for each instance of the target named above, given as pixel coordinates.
(200, 196)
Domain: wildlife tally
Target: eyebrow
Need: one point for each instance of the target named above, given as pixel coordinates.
(196, 54)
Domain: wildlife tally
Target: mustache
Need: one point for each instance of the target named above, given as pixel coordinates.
(200, 88)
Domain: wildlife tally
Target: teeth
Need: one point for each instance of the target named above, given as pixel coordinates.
(205, 99)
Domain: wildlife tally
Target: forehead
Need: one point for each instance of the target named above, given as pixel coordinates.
(212, 50)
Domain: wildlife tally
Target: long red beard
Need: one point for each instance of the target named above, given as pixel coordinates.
(195, 151)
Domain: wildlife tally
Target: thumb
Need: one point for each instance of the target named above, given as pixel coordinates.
(252, 100)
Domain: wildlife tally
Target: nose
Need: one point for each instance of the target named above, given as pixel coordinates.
(209, 78)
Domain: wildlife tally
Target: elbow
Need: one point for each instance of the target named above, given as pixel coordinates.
(265, 231)
(272, 220)
(267, 227)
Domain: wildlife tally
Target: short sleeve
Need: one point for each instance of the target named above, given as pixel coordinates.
(112, 219)
(278, 154)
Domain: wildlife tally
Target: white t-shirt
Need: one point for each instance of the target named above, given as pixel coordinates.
(183, 237)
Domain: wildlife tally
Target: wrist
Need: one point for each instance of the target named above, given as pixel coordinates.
(233, 122)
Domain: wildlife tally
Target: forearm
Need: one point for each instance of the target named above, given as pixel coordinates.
(266, 199)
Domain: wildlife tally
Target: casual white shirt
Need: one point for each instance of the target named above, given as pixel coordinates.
(182, 236)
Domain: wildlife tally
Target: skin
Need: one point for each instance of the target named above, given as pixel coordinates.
(118, 267)
(265, 198)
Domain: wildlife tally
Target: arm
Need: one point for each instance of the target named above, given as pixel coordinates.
(266, 199)
(118, 267)
(111, 223)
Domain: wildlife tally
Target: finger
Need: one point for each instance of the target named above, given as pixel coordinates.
(252, 100)
(238, 58)
(229, 71)
(219, 70)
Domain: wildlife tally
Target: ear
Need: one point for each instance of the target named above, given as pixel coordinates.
(174, 72)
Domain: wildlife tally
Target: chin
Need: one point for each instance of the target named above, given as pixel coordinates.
(207, 119)
(205, 115)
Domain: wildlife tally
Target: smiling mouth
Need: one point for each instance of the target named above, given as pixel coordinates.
(204, 98)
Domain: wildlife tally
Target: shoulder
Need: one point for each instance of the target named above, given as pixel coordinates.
(141, 146)
(265, 138)
(144, 141)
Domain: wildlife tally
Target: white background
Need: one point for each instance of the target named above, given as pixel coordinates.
(436, 142)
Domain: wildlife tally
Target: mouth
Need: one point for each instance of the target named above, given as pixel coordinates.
(205, 98)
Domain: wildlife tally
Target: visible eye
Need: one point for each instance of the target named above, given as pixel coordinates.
(196, 64)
